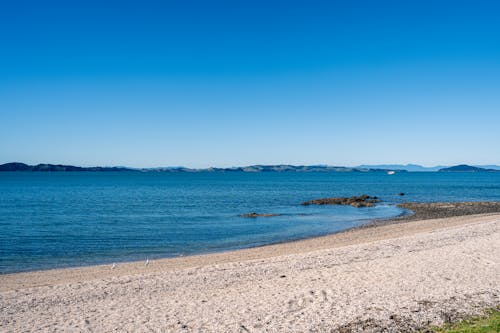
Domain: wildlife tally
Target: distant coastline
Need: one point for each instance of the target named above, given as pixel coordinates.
(17, 166)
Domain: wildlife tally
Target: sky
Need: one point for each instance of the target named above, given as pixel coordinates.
(232, 83)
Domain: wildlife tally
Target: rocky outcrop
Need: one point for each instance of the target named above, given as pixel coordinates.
(434, 210)
(355, 201)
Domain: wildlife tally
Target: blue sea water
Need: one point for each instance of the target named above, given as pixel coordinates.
(64, 219)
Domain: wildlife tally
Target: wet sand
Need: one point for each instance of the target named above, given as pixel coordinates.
(395, 277)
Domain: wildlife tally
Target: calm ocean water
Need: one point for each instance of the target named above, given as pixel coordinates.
(65, 219)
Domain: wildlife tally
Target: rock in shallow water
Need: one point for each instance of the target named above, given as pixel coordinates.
(355, 201)
(258, 215)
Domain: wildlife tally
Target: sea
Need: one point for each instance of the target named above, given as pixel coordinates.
(67, 219)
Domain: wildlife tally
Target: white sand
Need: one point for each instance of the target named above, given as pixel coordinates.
(395, 277)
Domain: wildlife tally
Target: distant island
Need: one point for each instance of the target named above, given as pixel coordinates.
(420, 168)
(466, 168)
(407, 167)
(16, 166)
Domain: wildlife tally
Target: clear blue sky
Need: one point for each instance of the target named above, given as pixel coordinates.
(222, 83)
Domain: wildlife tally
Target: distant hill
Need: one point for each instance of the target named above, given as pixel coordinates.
(16, 166)
(55, 167)
(466, 168)
(494, 167)
(271, 168)
(407, 167)
(252, 168)
(418, 168)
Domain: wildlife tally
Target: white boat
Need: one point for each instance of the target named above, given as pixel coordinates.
(391, 172)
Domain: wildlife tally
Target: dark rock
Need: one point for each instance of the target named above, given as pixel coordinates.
(355, 201)
(254, 214)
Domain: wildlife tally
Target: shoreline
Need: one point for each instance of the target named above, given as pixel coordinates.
(355, 235)
(417, 211)
(399, 276)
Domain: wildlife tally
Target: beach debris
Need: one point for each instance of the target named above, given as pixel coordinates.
(364, 200)
(254, 214)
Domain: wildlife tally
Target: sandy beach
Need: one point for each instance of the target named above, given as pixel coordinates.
(392, 277)
(249, 166)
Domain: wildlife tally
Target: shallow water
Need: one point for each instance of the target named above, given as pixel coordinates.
(64, 219)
